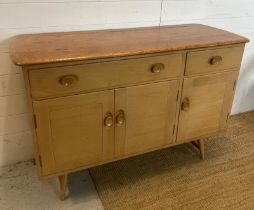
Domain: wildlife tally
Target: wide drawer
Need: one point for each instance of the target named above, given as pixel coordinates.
(58, 81)
(213, 60)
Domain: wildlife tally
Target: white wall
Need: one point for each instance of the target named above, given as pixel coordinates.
(33, 16)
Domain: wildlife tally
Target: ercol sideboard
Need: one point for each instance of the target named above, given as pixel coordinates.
(101, 96)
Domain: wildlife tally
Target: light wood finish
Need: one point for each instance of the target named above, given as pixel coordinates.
(150, 112)
(63, 181)
(48, 82)
(213, 60)
(101, 96)
(71, 133)
(76, 46)
(210, 99)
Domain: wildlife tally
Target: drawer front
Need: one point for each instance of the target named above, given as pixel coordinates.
(213, 60)
(59, 81)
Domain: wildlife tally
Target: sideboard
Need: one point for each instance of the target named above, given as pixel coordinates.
(100, 96)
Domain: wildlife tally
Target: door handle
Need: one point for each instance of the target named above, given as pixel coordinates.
(108, 120)
(120, 118)
(185, 104)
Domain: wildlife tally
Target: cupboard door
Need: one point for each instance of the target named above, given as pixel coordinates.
(145, 117)
(206, 103)
(75, 131)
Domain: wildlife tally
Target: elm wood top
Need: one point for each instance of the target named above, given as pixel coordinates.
(85, 45)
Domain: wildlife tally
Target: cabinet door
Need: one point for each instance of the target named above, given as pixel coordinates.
(75, 131)
(206, 103)
(145, 117)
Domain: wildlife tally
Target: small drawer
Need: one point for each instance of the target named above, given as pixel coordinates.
(213, 60)
(66, 80)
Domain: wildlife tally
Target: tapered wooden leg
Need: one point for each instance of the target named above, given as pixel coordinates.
(63, 180)
(200, 145)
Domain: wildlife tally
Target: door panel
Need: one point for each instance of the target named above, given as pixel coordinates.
(149, 117)
(71, 132)
(206, 103)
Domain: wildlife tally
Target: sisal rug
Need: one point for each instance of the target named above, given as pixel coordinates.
(175, 178)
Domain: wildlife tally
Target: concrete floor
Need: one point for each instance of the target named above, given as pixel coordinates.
(20, 189)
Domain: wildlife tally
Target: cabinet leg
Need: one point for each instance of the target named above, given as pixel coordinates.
(201, 146)
(63, 180)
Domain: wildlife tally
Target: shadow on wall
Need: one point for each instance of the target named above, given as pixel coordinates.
(244, 96)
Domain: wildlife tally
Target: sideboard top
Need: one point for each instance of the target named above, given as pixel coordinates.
(86, 45)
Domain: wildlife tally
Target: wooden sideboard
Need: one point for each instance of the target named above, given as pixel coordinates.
(101, 96)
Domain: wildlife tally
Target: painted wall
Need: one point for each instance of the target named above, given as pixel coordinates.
(34, 16)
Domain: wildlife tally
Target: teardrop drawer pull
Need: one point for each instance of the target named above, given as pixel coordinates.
(215, 60)
(68, 80)
(157, 68)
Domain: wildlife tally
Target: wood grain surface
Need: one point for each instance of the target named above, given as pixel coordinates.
(97, 76)
(85, 45)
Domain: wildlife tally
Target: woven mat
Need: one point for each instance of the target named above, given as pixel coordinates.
(175, 178)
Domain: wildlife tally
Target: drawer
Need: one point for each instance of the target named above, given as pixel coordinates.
(213, 60)
(58, 81)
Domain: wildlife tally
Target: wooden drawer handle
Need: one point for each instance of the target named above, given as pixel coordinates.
(108, 120)
(68, 80)
(185, 104)
(215, 60)
(157, 68)
(120, 118)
